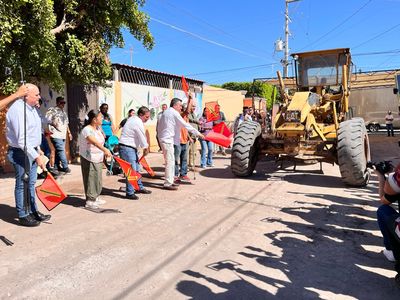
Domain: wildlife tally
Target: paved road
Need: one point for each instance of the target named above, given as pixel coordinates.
(277, 235)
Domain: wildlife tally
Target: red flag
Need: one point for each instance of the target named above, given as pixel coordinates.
(185, 86)
(219, 139)
(211, 111)
(50, 193)
(146, 166)
(129, 172)
(223, 129)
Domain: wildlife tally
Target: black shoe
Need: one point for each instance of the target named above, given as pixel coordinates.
(143, 191)
(37, 215)
(53, 171)
(28, 221)
(65, 170)
(132, 197)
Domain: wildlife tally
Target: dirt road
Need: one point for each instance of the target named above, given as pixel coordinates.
(280, 234)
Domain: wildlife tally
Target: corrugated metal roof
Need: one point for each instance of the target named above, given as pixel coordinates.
(119, 66)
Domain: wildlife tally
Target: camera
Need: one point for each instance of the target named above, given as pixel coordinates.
(382, 167)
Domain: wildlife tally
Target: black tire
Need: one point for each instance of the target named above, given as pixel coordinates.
(245, 149)
(373, 127)
(353, 152)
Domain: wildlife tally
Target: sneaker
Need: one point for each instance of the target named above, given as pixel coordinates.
(184, 179)
(389, 255)
(177, 180)
(99, 201)
(91, 204)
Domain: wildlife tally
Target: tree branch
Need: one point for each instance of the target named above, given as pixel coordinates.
(64, 25)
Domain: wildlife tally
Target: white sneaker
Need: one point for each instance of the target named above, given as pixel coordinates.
(99, 201)
(91, 204)
(389, 255)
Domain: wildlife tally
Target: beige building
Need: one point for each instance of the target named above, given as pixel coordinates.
(231, 102)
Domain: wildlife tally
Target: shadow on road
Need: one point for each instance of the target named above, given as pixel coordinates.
(323, 257)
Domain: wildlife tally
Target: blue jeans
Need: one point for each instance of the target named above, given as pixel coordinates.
(206, 150)
(17, 157)
(59, 145)
(386, 216)
(389, 128)
(130, 155)
(180, 152)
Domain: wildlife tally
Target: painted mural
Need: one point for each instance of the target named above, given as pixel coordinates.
(135, 96)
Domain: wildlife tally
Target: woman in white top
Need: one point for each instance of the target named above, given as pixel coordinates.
(92, 153)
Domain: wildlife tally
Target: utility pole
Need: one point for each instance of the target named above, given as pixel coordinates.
(285, 61)
(131, 53)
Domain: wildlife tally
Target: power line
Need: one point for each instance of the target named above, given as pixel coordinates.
(204, 39)
(234, 69)
(377, 36)
(337, 26)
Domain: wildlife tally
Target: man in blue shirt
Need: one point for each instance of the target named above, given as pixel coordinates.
(16, 141)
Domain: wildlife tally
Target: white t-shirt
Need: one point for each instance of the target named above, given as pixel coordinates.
(87, 149)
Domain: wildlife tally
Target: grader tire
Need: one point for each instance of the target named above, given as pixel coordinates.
(245, 149)
(353, 152)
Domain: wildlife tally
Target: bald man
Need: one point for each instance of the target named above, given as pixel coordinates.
(28, 216)
(21, 92)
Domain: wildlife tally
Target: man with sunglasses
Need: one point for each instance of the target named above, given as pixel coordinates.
(58, 126)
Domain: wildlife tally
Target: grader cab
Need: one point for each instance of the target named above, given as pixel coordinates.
(313, 124)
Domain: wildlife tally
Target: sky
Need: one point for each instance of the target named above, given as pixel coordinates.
(223, 41)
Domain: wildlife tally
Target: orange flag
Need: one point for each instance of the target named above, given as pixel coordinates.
(146, 166)
(129, 172)
(222, 129)
(185, 86)
(211, 112)
(50, 193)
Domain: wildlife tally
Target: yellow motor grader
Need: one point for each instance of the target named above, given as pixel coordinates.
(313, 124)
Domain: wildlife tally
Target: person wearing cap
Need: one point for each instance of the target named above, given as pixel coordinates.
(58, 127)
(389, 218)
(389, 123)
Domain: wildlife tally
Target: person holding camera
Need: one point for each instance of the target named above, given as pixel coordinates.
(388, 217)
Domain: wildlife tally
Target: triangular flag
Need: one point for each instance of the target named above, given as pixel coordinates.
(219, 139)
(211, 113)
(129, 172)
(222, 129)
(185, 86)
(50, 193)
(146, 166)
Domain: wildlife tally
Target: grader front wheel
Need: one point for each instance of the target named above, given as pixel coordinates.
(245, 149)
(353, 152)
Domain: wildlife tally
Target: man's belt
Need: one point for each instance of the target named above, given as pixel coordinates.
(128, 146)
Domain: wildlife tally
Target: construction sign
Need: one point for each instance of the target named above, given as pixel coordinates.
(131, 175)
(50, 193)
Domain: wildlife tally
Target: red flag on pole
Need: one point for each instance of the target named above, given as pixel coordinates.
(146, 166)
(185, 86)
(50, 193)
(219, 139)
(211, 111)
(129, 172)
(222, 129)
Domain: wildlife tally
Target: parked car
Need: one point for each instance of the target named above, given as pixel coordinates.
(376, 120)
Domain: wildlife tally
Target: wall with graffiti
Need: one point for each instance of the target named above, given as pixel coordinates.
(131, 95)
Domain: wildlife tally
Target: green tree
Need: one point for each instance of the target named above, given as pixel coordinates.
(58, 41)
(261, 89)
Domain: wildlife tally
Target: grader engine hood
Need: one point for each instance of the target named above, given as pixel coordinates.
(296, 114)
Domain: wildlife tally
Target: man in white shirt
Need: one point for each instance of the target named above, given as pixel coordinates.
(28, 213)
(133, 137)
(389, 123)
(58, 126)
(169, 128)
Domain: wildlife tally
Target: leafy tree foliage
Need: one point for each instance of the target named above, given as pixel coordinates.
(261, 89)
(60, 41)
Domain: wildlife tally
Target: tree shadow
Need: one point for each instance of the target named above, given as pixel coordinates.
(325, 254)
